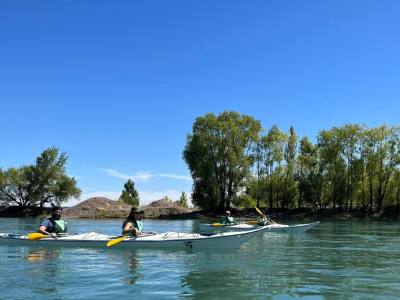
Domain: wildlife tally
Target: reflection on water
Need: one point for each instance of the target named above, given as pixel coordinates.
(335, 261)
(132, 264)
(39, 255)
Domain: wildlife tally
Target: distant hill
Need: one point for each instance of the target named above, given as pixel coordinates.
(164, 208)
(98, 207)
(101, 207)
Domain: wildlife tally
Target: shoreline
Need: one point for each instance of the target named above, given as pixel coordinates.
(278, 215)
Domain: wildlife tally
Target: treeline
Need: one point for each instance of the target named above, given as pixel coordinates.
(43, 183)
(234, 161)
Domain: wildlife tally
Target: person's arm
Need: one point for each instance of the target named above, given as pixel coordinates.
(128, 228)
(42, 229)
(45, 227)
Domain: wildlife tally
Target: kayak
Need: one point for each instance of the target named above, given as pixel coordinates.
(163, 240)
(280, 228)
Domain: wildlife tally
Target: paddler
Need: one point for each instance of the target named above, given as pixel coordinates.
(133, 224)
(228, 219)
(54, 225)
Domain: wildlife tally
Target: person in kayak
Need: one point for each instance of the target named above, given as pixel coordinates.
(54, 225)
(133, 224)
(228, 219)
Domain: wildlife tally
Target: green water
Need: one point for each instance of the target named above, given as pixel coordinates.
(336, 260)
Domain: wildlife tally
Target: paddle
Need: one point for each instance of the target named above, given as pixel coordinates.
(115, 241)
(122, 238)
(217, 225)
(34, 236)
(261, 213)
(252, 222)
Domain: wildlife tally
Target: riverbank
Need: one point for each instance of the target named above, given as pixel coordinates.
(163, 211)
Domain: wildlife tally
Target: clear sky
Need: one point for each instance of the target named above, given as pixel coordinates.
(117, 85)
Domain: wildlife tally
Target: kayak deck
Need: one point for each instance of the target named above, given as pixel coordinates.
(162, 240)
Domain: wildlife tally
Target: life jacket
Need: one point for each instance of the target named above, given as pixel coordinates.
(228, 220)
(262, 222)
(59, 226)
(138, 224)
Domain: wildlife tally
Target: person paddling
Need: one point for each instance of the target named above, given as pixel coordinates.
(228, 219)
(133, 224)
(54, 225)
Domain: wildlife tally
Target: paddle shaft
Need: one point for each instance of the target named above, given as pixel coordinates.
(263, 215)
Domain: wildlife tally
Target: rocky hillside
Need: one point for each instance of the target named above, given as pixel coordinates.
(97, 208)
(100, 207)
(164, 208)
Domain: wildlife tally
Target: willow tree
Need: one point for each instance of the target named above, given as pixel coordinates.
(218, 154)
(43, 183)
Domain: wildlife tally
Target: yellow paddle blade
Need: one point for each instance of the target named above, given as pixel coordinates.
(217, 224)
(264, 216)
(259, 211)
(36, 236)
(252, 222)
(113, 242)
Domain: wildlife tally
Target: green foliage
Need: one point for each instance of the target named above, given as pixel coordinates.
(129, 194)
(348, 167)
(183, 201)
(218, 156)
(42, 183)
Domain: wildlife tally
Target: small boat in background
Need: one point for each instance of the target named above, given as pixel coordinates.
(275, 227)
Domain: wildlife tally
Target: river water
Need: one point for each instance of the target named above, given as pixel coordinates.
(336, 260)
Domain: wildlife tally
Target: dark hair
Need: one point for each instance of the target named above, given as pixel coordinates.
(134, 214)
(57, 208)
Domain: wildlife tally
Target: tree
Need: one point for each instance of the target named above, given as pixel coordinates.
(183, 200)
(14, 186)
(382, 154)
(290, 158)
(333, 166)
(273, 146)
(129, 194)
(218, 154)
(40, 184)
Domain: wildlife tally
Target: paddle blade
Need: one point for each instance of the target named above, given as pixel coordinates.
(217, 224)
(252, 222)
(259, 211)
(264, 216)
(113, 242)
(34, 236)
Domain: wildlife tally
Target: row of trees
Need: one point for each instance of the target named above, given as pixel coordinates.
(233, 161)
(43, 183)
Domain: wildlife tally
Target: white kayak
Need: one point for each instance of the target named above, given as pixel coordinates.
(164, 240)
(275, 227)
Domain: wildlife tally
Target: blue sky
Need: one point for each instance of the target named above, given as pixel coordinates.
(117, 85)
